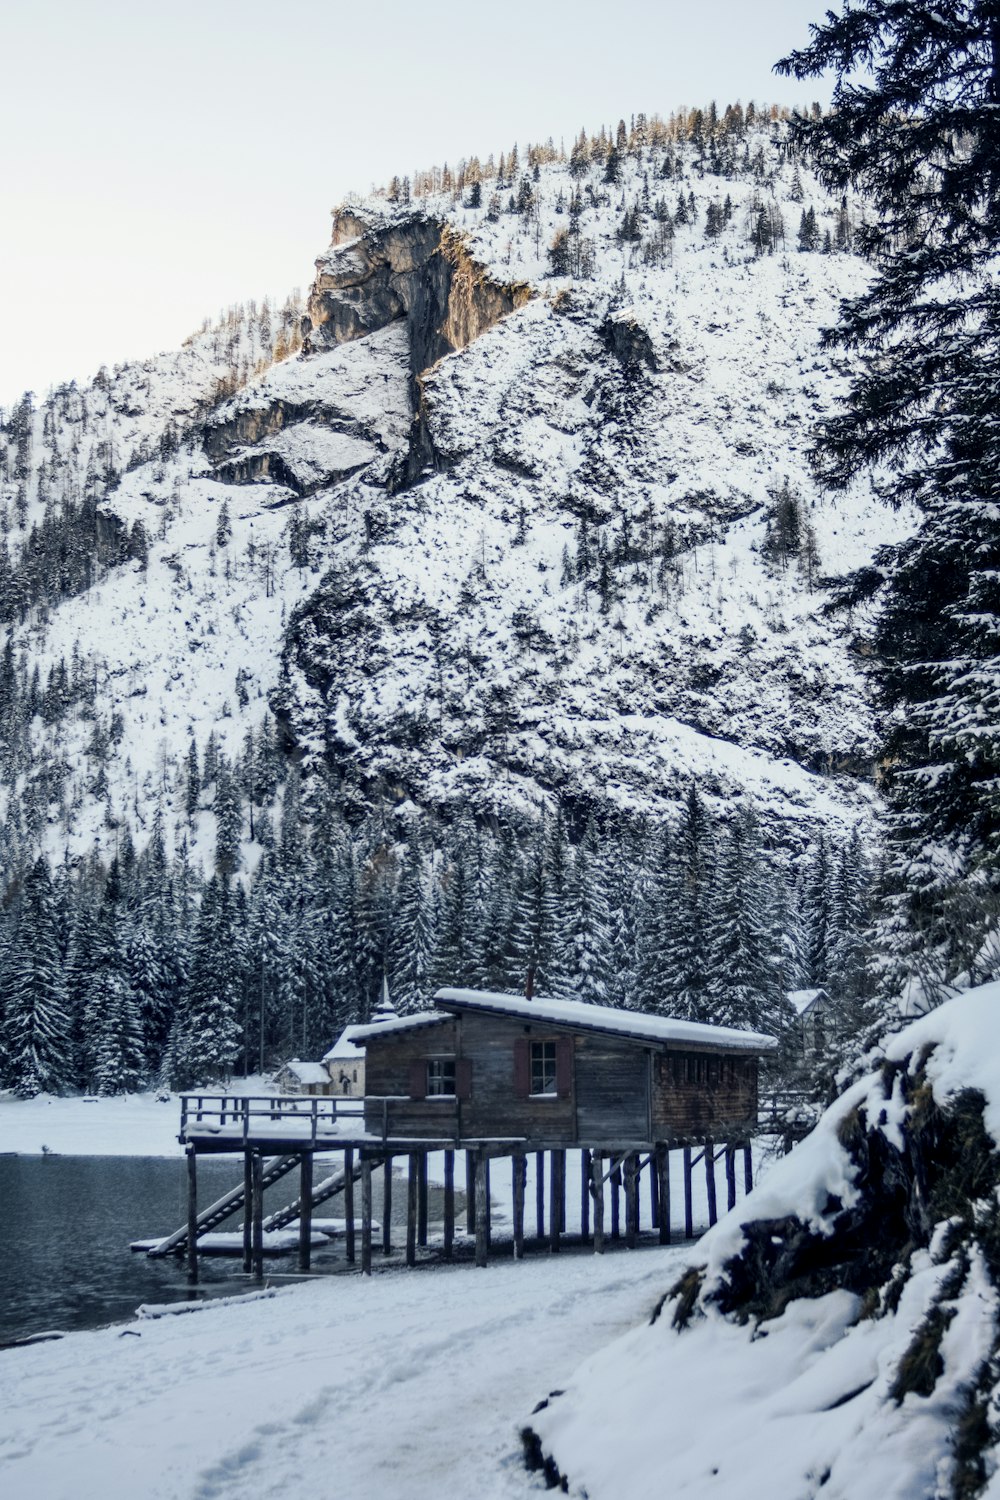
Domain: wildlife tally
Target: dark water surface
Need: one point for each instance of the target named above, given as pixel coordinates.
(66, 1223)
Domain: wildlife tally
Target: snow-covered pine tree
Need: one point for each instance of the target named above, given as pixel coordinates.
(205, 1041)
(588, 936)
(742, 985)
(36, 1024)
(686, 948)
(412, 937)
(917, 129)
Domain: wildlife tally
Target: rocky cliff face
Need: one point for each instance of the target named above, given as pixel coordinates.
(505, 538)
(419, 270)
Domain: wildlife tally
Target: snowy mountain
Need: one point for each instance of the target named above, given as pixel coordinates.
(530, 513)
(485, 616)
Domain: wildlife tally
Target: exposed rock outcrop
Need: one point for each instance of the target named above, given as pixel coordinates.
(417, 269)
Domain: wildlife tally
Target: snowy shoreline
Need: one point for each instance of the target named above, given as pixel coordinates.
(84, 1125)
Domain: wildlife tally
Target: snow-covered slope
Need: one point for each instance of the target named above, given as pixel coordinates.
(837, 1332)
(496, 537)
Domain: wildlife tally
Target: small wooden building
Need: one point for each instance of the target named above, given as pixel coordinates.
(558, 1073)
(309, 1078)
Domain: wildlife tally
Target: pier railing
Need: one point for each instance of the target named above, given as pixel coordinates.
(267, 1114)
(304, 1118)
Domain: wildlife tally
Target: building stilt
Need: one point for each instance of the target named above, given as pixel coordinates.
(709, 1155)
(482, 1225)
(449, 1203)
(663, 1192)
(247, 1217)
(555, 1199)
(688, 1205)
(305, 1209)
(519, 1169)
(387, 1207)
(349, 1203)
(631, 1199)
(597, 1180)
(422, 1200)
(412, 1194)
(192, 1196)
(585, 1194)
(366, 1216)
(257, 1213)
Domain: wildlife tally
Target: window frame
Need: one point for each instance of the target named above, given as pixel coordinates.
(546, 1047)
(442, 1063)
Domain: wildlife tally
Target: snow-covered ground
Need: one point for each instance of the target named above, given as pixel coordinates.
(128, 1125)
(841, 1395)
(407, 1386)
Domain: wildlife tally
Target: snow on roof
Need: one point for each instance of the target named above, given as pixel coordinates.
(347, 1047)
(402, 1023)
(306, 1072)
(629, 1023)
(803, 1000)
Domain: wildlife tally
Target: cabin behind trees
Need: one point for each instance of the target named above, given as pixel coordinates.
(551, 1074)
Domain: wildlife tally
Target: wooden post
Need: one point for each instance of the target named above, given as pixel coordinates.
(422, 1199)
(305, 1209)
(730, 1175)
(713, 1208)
(663, 1192)
(489, 1201)
(562, 1191)
(540, 1194)
(597, 1180)
(247, 1220)
(192, 1235)
(654, 1190)
(519, 1170)
(482, 1226)
(585, 1193)
(412, 1183)
(555, 1199)
(616, 1182)
(470, 1192)
(688, 1206)
(366, 1216)
(257, 1200)
(747, 1169)
(349, 1202)
(387, 1207)
(631, 1199)
(449, 1203)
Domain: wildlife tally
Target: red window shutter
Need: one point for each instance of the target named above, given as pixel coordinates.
(564, 1066)
(463, 1078)
(418, 1080)
(522, 1067)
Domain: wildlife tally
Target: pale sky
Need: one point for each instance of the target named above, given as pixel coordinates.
(163, 161)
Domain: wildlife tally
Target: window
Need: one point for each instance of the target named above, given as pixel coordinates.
(440, 1076)
(543, 1068)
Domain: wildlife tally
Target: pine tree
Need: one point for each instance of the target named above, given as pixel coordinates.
(918, 132)
(36, 1025)
(588, 938)
(742, 987)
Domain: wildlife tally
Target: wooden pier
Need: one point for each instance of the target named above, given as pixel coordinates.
(624, 1191)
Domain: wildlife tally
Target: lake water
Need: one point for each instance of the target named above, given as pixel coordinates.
(66, 1223)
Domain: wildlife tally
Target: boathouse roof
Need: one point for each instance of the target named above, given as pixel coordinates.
(579, 1015)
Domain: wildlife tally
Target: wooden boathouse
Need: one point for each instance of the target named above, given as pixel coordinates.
(495, 1075)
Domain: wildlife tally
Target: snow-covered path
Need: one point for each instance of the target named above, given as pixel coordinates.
(407, 1386)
